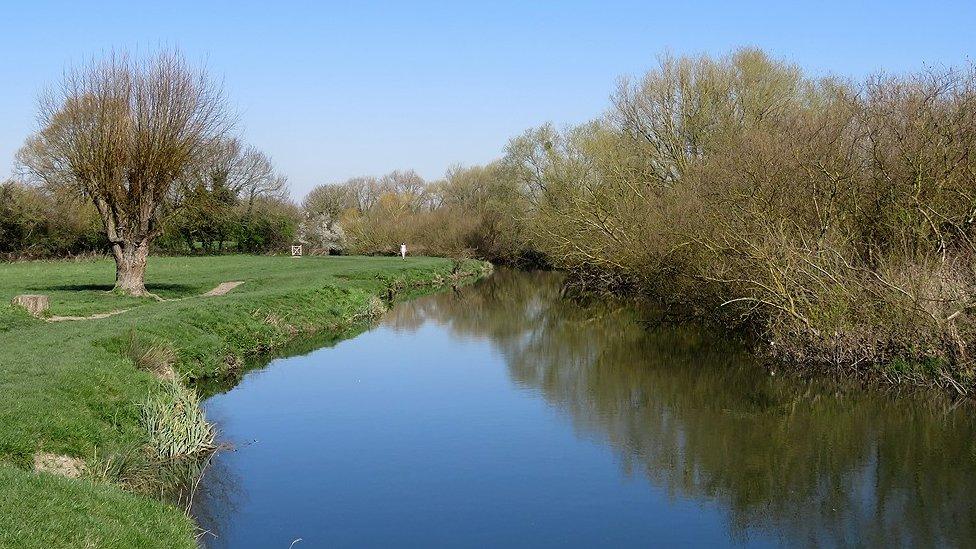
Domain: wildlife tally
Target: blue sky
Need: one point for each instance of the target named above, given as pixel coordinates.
(336, 89)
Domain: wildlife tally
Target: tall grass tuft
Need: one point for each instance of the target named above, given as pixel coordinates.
(178, 448)
(176, 425)
(152, 356)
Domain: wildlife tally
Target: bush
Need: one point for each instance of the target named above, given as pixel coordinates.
(37, 223)
(836, 221)
(270, 227)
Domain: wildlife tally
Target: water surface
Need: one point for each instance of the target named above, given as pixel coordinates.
(506, 415)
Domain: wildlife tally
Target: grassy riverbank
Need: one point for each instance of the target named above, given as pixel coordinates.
(71, 389)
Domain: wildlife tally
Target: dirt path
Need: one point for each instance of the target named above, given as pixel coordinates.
(222, 289)
(95, 316)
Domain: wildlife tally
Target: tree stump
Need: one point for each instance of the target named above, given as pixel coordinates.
(35, 304)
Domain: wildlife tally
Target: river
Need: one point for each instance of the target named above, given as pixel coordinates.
(506, 415)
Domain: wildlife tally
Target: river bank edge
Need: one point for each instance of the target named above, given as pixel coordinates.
(90, 508)
(897, 375)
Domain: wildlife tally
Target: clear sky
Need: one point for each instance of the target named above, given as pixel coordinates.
(336, 89)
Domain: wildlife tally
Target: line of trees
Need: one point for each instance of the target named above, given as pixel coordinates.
(834, 219)
(238, 202)
(471, 212)
(37, 223)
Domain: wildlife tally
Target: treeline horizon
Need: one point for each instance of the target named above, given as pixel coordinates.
(239, 202)
(833, 219)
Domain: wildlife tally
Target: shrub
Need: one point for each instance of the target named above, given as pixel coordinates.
(834, 220)
(38, 223)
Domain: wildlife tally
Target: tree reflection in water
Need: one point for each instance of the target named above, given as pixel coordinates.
(810, 461)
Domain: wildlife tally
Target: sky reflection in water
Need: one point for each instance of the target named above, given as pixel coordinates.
(505, 415)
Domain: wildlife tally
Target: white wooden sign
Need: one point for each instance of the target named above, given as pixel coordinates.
(296, 251)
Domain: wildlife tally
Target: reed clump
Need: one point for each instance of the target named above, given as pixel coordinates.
(178, 446)
(176, 425)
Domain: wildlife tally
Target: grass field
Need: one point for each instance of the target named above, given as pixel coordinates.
(70, 388)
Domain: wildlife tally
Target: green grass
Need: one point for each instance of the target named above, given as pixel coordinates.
(42, 510)
(71, 388)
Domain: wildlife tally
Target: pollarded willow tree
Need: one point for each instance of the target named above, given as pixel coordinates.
(128, 134)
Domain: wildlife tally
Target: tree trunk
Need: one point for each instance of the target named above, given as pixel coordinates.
(130, 267)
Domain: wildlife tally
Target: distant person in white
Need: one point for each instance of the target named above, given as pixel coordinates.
(403, 251)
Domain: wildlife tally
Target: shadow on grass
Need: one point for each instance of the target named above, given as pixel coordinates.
(177, 288)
